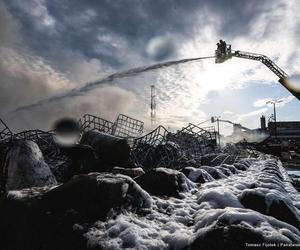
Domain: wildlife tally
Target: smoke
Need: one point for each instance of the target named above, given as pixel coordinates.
(250, 136)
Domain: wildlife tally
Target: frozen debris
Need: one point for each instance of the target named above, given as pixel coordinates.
(110, 150)
(197, 175)
(232, 168)
(132, 172)
(161, 148)
(51, 151)
(194, 140)
(232, 228)
(129, 231)
(99, 194)
(107, 211)
(45, 217)
(217, 198)
(163, 181)
(273, 203)
(26, 167)
(144, 148)
(214, 172)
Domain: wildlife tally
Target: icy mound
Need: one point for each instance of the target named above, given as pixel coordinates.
(163, 181)
(26, 167)
(214, 172)
(44, 218)
(232, 228)
(252, 201)
(215, 217)
(197, 175)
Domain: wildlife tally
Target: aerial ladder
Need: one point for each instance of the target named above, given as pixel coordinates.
(224, 52)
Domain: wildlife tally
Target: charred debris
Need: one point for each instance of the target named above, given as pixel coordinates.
(117, 147)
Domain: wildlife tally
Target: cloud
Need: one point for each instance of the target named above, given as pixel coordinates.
(282, 102)
(261, 102)
(85, 40)
(27, 77)
(253, 113)
(228, 112)
(285, 100)
(160, 48)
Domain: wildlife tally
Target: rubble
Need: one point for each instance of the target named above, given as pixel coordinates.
(163, 181)
(109, 150)
(116, 188)
(46, 218)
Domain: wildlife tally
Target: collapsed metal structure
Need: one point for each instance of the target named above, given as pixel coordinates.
(156, 148)
(124, 126)
(163, 148)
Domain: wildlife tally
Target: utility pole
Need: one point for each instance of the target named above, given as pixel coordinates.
(217, 119)
(218, 124)
(274, 102)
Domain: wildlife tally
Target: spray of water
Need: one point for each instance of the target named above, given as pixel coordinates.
(92, 85)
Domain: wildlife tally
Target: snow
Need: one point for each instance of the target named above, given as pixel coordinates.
(141, 197)
(214, 172)
(270, 228)
(174, 223)
(218, 198)
(195, 173)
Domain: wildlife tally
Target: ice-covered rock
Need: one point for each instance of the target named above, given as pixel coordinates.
(217, 198)
(132, 172)
(252, 201)
(44, 218)
(273, 203)
(163, 181)
(231, 168)
(214, 172)
(197, 175)
(233, 228)
(26, 167)
(225, 171)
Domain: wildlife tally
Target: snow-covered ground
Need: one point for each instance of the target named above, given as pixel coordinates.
(190, 221)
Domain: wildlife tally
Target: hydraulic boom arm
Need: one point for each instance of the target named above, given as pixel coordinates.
(224, 52)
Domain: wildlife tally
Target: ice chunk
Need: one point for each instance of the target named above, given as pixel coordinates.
(26, 167)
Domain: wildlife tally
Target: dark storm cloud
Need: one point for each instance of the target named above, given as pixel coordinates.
(78, 25)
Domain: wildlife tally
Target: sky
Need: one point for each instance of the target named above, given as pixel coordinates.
(48, 47)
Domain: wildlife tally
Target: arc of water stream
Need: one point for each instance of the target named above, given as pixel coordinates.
(92, 85)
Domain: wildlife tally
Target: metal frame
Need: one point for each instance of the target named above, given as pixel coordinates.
(91, 122)
(127, 127)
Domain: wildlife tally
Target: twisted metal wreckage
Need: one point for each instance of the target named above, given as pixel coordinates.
(154, 149)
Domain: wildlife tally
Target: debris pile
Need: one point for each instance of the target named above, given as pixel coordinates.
(116, 188)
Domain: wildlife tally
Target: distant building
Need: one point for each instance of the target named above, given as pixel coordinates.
(287, 130)
(263, 123)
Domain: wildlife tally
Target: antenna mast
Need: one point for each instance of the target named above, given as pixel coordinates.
(153, 106)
